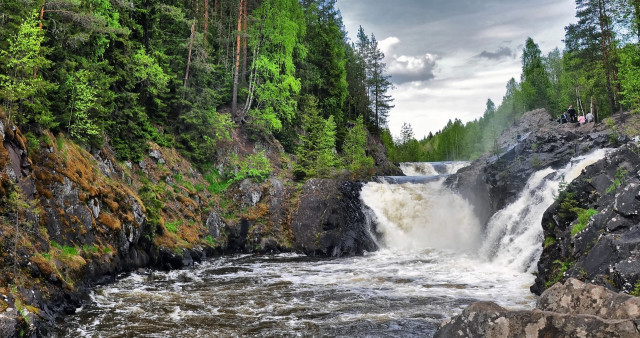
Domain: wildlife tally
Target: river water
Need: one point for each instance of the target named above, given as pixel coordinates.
(436, 260)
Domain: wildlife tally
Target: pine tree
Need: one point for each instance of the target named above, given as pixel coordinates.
(354, 149)
(316, 151)
(535, 80)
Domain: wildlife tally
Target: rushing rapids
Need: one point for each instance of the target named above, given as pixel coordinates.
(436, 259)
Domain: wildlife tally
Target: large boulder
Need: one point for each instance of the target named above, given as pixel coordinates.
(329, 220)
(573, 309)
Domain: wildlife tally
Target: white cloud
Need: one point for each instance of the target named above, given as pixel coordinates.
(406, 68)
(447, 57)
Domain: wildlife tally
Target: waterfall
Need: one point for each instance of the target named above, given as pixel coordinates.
(431, 168)
(424, 214)
(420, 213)
(514, 235)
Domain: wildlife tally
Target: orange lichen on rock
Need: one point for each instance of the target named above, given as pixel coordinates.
(109, 221)
(188, 233)
(45, 266)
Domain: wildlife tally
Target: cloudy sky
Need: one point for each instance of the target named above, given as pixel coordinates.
(447, 57)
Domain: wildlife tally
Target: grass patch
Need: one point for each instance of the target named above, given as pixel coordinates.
(210, 240)
(69, 250)
(562, 267)
(90, 248)
(55, 244)
(583, 219)
(549, 241)
(636, 289)
(621, 173)
(173, 226)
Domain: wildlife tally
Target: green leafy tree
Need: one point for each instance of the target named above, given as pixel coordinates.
(630, 75)
(535, 80)
(23, 91)
(83, 107)
(275, 40)
(406, 133)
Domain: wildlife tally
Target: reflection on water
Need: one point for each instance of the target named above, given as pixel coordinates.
(387, 293)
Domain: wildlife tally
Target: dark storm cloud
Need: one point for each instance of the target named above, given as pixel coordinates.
(501, 53)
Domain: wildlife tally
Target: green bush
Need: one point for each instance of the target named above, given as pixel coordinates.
(254, 166)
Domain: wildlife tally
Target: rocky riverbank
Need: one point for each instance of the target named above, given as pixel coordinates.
(572, 309)
(73, 218)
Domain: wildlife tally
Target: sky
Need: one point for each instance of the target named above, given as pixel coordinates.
(447, 57)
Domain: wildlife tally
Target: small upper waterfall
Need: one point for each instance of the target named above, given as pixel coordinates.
(514, 236)
(431, 168)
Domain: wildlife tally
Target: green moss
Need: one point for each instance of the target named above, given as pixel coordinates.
(55, 245)
(549, 241)
(69, 250)
(583, 219)
(173, 226)
(210, 240)
(561, 268)
(90, 248)
(636, 289)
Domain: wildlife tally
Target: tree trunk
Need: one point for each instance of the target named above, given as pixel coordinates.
(244, 43)
(595, 117)
(605, 54)
(234, 100)
(186, 75)
(206, 21)
(44, 2)
(636, 7)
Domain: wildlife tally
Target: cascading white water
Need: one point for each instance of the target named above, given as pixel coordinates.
(426, 215)
(419, 216)
(431, 168)
(514, 234)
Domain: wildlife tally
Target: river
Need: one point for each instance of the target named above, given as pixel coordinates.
(436, 260)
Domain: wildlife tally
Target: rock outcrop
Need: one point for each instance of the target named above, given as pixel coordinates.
(592, 231)
(534, 142)
(572, 309)
(329, 220)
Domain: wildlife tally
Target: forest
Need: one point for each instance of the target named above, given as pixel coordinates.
(187, 73)
(598, 71)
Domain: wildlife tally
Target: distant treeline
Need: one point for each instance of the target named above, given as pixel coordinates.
(598, 71)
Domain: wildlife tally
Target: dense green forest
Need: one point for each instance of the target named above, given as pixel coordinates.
(598, 70)
(186, 73)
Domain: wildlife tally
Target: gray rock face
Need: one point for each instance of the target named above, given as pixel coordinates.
(215, 224)
(329, 220)
(605, 252)
(570, 310)
(533, 143)
(251, 192)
